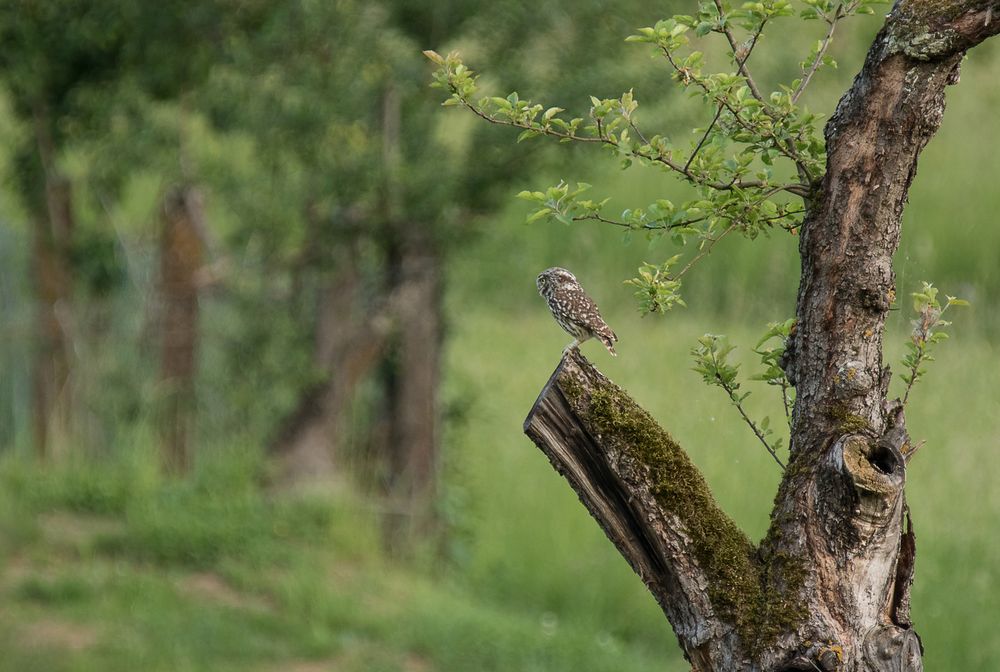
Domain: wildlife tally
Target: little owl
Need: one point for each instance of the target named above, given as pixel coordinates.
(573, 309)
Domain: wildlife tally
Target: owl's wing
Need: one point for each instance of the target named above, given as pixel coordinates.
(589, 315)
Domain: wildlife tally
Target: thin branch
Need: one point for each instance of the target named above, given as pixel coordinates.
(837, 16)
(705, 250)
(704, 137)
(739, 406)
(798, 188)
(784, 401)
(647, 226)
(676, 225)
(742, 64)
(718, 112)
(638, 133)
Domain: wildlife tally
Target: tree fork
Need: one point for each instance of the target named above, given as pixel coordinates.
(734, 606)
(725, 600)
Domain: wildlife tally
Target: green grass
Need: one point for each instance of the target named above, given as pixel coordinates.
(105, 566)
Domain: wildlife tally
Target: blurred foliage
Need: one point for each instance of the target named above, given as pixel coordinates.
(308, 124)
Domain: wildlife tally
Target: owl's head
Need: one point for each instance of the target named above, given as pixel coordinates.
(551, 278)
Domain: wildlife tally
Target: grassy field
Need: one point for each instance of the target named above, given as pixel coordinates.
(106, 567)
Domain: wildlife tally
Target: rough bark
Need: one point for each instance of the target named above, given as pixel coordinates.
(654, 506)
(828, 587)
(182, 251)
(841, 504)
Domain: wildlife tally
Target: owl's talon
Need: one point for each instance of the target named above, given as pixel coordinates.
(575, 345)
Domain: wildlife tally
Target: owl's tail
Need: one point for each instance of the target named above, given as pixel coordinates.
(608, 338)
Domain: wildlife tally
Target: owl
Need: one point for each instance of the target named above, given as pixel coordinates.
(573, 309)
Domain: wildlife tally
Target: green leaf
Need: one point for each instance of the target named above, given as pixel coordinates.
(538, 214)
(434, 56)
(551, 112)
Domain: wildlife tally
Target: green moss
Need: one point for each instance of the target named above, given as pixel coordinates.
(847, 422)
(756, 596)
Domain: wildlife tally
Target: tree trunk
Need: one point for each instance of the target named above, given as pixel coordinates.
(828, 587)
(412, 393)
(412, 367)
(350, 338)
(53, 225)
(182, 251)
(53, 397)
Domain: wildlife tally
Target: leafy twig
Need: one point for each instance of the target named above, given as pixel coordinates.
(515, 113)
(771, 357)
(741, 62)
(743, 69)
(923, 338)
(787, 148)
(711, 359)
(824, 45)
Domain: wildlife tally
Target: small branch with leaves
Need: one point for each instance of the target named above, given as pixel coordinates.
(611, 125)
(926, 333)
(770, 357)
(712, 362)
(658, 288)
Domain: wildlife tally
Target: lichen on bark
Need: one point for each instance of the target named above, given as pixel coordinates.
(930, 29)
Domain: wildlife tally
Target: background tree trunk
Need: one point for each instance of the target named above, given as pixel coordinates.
(414, 364)
(182, 251)
(349, 340)
(53, 397)
(395, 329)
(53, 225)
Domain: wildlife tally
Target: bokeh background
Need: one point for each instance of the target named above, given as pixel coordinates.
(268, 332)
